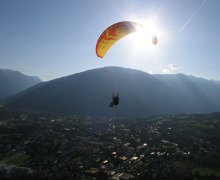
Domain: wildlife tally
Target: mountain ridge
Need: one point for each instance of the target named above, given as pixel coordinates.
(13, 82)
(141, 94)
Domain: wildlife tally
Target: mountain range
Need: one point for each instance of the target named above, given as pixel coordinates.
(13, 82)
(141, 94)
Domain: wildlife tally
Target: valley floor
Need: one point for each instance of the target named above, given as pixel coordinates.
(48, 146)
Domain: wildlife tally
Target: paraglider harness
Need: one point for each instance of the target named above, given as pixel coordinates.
(115, 101)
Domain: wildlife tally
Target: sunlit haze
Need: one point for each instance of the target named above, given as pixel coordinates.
(142, 38)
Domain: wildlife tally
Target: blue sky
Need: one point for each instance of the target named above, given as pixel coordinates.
(54, 38)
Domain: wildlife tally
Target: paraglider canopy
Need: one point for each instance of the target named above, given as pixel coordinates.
(114, 33)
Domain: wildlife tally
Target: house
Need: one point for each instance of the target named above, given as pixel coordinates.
(122, 176)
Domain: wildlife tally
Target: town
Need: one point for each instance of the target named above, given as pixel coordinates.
(49, 146)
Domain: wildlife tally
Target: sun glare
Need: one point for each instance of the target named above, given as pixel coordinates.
(142, 38)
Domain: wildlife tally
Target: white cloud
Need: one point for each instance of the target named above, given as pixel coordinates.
(170, 68)
(165, 71)
(173, 67)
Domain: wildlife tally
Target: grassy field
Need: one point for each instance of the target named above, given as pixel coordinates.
(206, 172)
(21, 160)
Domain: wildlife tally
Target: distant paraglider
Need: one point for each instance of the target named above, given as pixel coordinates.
(114, 33)
(154, 40)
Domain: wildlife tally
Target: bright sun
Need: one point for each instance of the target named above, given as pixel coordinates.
(142, 38)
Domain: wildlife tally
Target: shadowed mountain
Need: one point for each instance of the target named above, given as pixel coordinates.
(141, 94)
(13, 82)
